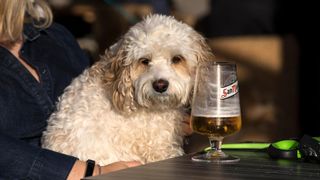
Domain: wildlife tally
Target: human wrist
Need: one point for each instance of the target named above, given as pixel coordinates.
(77, 170)
(97, 170)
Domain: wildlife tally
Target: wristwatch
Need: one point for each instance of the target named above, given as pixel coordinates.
(89, 168)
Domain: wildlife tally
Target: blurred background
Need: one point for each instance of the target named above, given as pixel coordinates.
(273, 42)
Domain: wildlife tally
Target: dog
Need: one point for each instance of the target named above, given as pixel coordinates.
(129, 105)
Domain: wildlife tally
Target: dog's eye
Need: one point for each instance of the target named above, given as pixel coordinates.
(145, 61)
(177, 59)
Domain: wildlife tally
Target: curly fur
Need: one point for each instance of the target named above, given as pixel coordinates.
(111, 112)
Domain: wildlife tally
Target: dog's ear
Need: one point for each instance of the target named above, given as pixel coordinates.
(202, 50)
(117, 78)
(203, 55)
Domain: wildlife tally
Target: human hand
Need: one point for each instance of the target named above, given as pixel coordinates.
(116, 166)
(79, 167)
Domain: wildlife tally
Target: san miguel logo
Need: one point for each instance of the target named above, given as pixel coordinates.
(229, 91)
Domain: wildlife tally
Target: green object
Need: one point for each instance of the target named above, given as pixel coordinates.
(243, 146)
(317, 138)
(246, 146)
(286, 144)
(279, 149)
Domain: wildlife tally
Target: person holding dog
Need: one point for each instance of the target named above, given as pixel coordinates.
(38, 60)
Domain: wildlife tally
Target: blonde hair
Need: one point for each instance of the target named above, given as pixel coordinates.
(14, 13)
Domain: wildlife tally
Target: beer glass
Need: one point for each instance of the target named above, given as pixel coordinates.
(216, 108)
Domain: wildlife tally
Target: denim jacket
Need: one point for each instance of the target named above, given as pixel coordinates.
(26, 104)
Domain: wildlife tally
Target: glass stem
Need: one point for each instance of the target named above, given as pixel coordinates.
(215, 144)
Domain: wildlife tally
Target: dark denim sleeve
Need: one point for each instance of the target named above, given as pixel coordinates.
(20, 160)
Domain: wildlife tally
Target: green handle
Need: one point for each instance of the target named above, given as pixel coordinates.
(243, 146)
(246, 146)
(282, 145)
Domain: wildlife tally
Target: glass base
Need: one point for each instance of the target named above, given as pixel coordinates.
(215, 157)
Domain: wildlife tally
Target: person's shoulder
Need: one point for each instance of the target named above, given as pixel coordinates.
(58, 29)
(66, 39)
(61, 34)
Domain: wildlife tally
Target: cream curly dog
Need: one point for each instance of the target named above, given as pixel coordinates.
(128, 106)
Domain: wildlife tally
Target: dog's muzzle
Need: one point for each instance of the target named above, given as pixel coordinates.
(160, 85)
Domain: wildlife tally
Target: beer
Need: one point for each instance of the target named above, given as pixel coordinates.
(216, 126)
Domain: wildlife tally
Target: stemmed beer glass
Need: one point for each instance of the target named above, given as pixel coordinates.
(216, 108)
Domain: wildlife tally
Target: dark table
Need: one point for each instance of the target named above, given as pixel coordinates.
(253, 165)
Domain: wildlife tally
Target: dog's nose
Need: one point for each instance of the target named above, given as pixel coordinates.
(160, 85)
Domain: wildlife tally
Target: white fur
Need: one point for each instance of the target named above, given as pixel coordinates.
(111, 111)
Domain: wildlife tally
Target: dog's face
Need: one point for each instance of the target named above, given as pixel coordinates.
(154, 64)
(163, 75)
